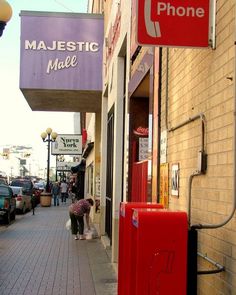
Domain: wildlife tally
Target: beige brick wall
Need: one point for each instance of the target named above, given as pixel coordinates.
(198, 83)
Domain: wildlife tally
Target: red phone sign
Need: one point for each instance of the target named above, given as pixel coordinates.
(177, 23)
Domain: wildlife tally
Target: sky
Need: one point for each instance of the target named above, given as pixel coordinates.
(18, 123)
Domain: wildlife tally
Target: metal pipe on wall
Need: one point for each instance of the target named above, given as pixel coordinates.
(197, 172)
(219, 267)
(230, 216)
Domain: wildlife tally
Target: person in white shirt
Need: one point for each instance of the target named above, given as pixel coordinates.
(64, 191)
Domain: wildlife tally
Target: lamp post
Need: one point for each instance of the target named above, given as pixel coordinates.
(48, 136)
(5, 14)
(21, 171)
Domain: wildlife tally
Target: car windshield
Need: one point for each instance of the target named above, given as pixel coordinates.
(16, 190)
(24, 184)
(39, 185)
(4, 191)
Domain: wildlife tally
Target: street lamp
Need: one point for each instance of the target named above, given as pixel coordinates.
(5, 14)
(48, 136)
(21, 171)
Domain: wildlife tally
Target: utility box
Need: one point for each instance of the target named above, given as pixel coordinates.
(159, 252)
(125, 249)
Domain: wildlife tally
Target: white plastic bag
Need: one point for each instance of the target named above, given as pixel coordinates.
(68, 224)
(91, 234)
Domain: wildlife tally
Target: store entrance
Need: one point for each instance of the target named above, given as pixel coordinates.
(140, 147)
(109, 180)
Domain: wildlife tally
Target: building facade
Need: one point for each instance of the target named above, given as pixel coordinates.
(179, 103)
(163, 130)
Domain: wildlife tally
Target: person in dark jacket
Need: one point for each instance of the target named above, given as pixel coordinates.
(33, 202)
(55, 193)
(80, 170)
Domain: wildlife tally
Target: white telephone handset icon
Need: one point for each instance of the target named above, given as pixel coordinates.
(153, 28)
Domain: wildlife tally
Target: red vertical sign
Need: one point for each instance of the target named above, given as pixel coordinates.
(173, 23)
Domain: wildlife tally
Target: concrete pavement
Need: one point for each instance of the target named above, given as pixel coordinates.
(39, 256)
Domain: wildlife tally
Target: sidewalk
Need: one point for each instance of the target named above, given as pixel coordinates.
(39, 256)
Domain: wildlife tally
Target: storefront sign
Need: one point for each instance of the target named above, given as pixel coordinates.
(61, 51)
(67, 144)
(175, 180)
(141, 70)
(133, 41)
(143, 149)
(173, 23)
(163, 146)
(112, 37)
(70, 46)
(66, 166)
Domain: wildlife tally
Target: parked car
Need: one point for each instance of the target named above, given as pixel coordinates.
(7, 204)
(3, 181)
(26, 184)
(23, 201)
(39, 186)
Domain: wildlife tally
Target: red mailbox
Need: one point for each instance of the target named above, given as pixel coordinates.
(125, 227)
(159, 256)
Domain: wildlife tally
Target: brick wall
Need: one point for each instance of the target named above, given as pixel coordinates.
(199, 81)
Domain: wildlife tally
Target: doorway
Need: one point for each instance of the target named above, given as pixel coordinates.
(109, 174)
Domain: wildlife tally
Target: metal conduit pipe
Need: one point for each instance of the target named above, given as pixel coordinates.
(189, 120)
(219, 267)
(198, 172)
(230, 216)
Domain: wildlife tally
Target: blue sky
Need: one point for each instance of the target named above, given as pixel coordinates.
(18, 123)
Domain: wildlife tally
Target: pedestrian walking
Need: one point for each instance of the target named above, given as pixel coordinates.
(55, 193)
(64, 191)
(33, 202)
(77, 210)
(73, 192)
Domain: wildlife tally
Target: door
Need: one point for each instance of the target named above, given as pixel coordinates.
(109, 176)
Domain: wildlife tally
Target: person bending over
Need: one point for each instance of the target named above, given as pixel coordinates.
(77, 210)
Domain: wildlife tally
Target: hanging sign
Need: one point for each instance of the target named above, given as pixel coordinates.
(175, 23)
(163, 147)
(61, 51)
(67, 144)
(66, 166)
